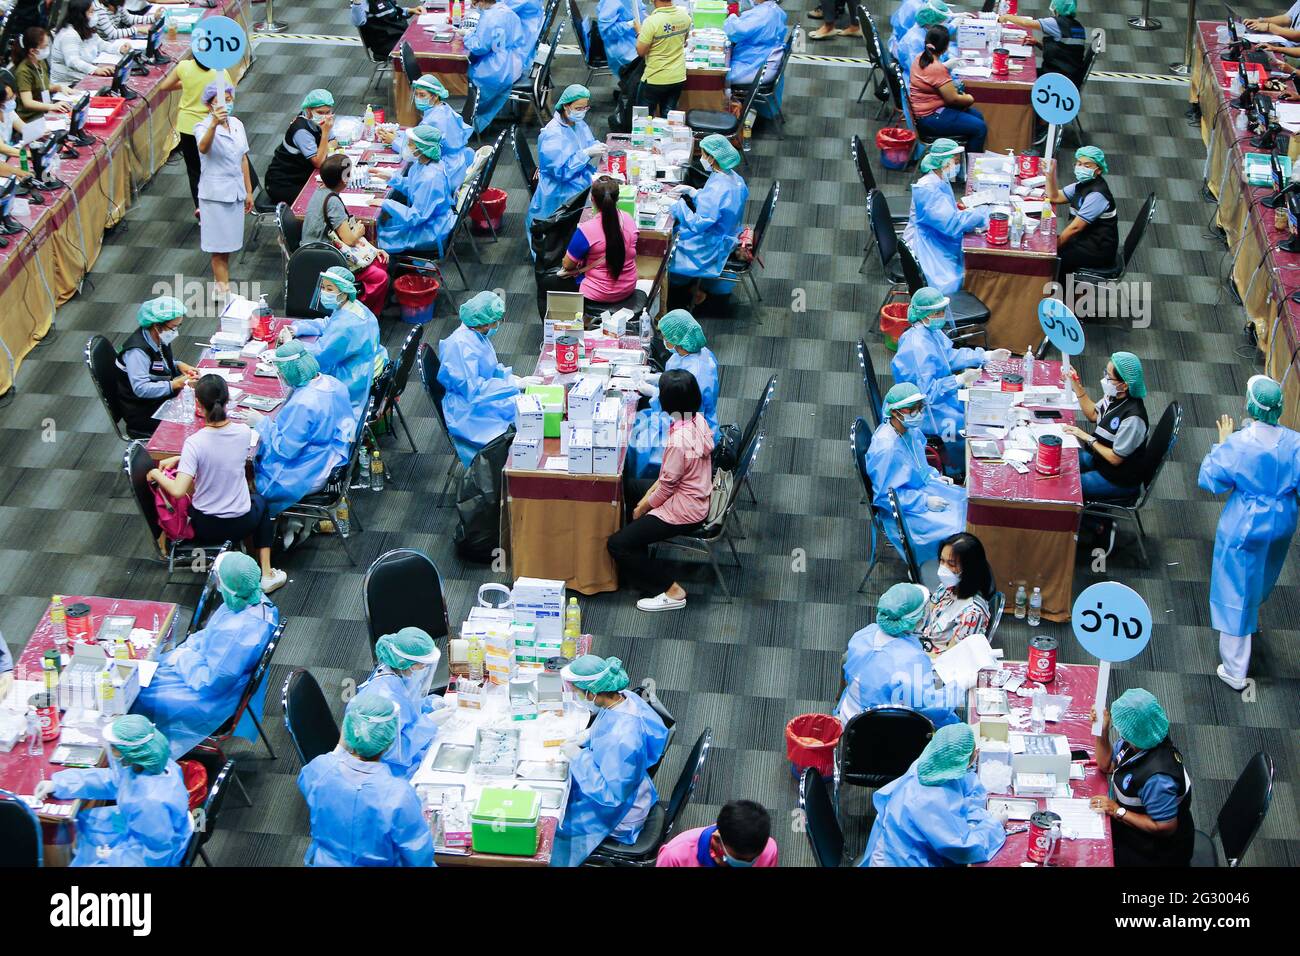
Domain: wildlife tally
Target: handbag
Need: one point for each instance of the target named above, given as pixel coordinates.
(358, 256)
(173, 515)
(726, 453)
(723, 483)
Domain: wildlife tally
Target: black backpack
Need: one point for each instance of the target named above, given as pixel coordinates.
(629, 80)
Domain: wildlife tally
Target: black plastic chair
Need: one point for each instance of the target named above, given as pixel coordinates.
(307, 716)
(905, 537)
(429, 365)
(399, 376)
(101, 363)
(137, 463)
(469, 109)
(208, 815)
(735, 270)
(1131, 242)
(754, 428)
(767, 88)
(859, 443)
(21, 843)
(881, 221)
(645, 691)
(875, 52)
(302, 274)
(970, 315)
(1240, 817)
(819, 820)
(867, 176)
(879, 744)
(288, 229)
(207, 602)
(723, 122)
(527, 165)
(534, 89)
(403, 588)
(255, 681)
(597, 63)
(875, 401)
(410, 65)
(662, 820)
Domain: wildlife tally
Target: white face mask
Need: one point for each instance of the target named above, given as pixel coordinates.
(10, 106)
(43, 53)
(168, 336)
(1109, 388)
(948, 578)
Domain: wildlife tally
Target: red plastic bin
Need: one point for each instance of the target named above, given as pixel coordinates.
(810, 741)
(115, 103)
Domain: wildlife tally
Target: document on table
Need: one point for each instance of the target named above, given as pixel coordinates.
(433, 19)
(107, 59)
(359, 199)
(1067, 441)
(1288, 115)
(961, 664)
(1261, 37)
(974, 72)
(1078, 820)
(980, 198)
(1016, 49)
(557, 463)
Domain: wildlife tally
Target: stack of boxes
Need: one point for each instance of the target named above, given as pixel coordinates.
(495, 628)
(539, 602)
(526, 450)
(236, 325)
(93, 681)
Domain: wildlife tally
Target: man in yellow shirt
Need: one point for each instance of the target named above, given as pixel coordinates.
(662, 42)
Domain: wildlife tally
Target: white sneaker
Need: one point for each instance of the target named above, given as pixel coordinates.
(661, 602)
(1233, 682)
(277, 579)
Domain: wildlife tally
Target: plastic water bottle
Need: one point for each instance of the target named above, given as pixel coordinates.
(369, 119)
(647, 330)
(573, 615)
(362, 478)
(1021, 601)
(376, 472)
(1035, 607)
(59, 620)
(341, 519)
(1037, 722)
(474, 656)
(1029, 367)
(35, 747)
(1017, 229)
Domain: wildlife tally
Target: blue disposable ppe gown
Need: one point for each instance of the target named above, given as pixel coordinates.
(150, 820)
(927, 358)
(198, 685)
(425, 219)
(363, 813)
(457, 155)
(897, 463)
(480, 401)
(301, 446)
(529, 13)
(1260, 468)
(883, 670)
(346, 347)
(614, 20)
(416, 731)
(902, 20)
(707, 236)
(756, 35)
(935, 230)
(941, 825)
(563, 167)
(611, 792)
(497, 51)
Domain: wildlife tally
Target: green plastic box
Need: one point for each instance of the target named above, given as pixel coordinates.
(709, 13)
(552, 399)
(505, 822)
(627, 199)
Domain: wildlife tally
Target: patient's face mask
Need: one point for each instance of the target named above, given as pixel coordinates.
(1084, 173)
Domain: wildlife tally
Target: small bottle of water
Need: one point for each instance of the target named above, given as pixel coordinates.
(1029, 367)
(1017, 229)
(647, 330)
(1021, 600)
(341, 521)
(35, 747)
(1035, 607)
(376, 473)
(474, 654)
(1036, 720)
(362, 477)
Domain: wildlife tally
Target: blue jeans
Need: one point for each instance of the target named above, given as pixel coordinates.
(967, 124)
(1096, 487)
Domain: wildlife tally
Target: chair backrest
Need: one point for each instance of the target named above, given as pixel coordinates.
(137, 464)
(1244, 811)
(775, 81)
(259, 673)
(101, 362)
(302, 274)
(469, 110)
(879, 744)
(905, 536)
(429, 365)
(869, 36)
(1139, 228)
(402, 588)
(307, 716)
(912, 272)
(490, 167)
(875, 401)
(575, 19)
(1160, 445)
(1089, 60)
(548, 20)
(410, 65)
(860, 162)
(754, 426)
(997, 604)
(527, 165)
(765, 216)
(212, 804)
(882, 227)
(645, 690)
(894, 80)
(687, 781)
(207, 597)
(820, 822)
(859, 444)
(400, 371)
(21, 843)
(289, 230)
(542, 82)
(748, 102)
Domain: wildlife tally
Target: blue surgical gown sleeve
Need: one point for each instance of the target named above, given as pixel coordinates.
(967, 834)
(99, 783)
(941, 213)
(411, 835)
(146, 812)
(614, 20)
(1218, 469)
(892, 467)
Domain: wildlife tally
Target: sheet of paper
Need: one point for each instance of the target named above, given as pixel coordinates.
(974, 72)
(960, 665)
(556, 463)
(1288, 116)
(1261, 37)
(1017, 49)
(135, 45)
(1078, 820)
(107, 59)
(32, 132)
(432, 19)
(358, 199)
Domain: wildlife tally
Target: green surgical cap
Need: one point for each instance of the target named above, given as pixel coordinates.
(925, 303)
(408, 646)
(159, 310)
(1263, 399)
(679, 327)
(1066, 8)
(426, 139)
(941, 150)
(1095, 154)
(572, 94)
(1139, 718)
(431, 84)
(720, 148)
(142, 744)
(947, 755)
(484, 309)
(369, 724)
(935, 11)
(901, 608)
(316, 99)
(597, 675)
(343, 278)
(239, 578)
(902, 395)
(297, 366)
(1129, 367)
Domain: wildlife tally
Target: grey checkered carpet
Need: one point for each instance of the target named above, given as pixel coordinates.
(745, 668)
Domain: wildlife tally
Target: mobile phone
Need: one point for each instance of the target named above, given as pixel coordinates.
(1046, 413)
(231, 363)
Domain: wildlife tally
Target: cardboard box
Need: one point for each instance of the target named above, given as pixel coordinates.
(606, 424)
(526, 454)
(579, 452)
(605, 461)
(584, 397)
(529, 417)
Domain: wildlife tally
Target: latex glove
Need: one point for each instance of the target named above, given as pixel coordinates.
(935, 503)
(286, 334)
(684, 190)
(969, 377)
(581, 737)
(523, 381)
(6, 681)
(442, 715)
(252, 416)
(997, 355)
(646, 388)
(945, 479)
(570, 749)
(43, 789)
(595, 150)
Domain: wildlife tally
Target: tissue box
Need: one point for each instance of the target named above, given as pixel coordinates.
(579, 454)
(583, 399)
(529, 419)
(526, 454)
(506, 822)
(552, 399)
(615, 323)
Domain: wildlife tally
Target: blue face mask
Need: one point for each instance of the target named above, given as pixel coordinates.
(1084, 173)
(732, 861)
(491, 333)
(578, 116)
(912, 420)
(937, 322)
(330, 300)
(422, 105)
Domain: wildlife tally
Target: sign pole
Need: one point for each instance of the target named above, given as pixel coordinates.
(270, 24)
(1099, 701)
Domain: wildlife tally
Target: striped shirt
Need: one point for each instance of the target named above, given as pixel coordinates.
(118, 25)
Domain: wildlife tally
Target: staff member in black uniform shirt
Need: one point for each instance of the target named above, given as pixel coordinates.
(1150, 802)
(1113, 456)
(381, 23)
(1091, 240)
(1064, 42)
(150, 375)
(304, 148)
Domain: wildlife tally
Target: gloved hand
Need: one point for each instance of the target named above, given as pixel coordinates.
(595, 150)
(286, 334)
(646, 389)
(251, 416)
(523, 381)
(968, 378)
(935, 503)
(684, 190)
(945, 479)
(43, 789)
(997, 355)
(582, 737)
(442, 715)
(570, 749)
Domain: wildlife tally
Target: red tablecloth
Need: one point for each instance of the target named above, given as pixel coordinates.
(1006, 106)
(366, 214)
(1080, 682)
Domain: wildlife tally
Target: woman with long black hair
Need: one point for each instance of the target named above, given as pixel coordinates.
(603, 249)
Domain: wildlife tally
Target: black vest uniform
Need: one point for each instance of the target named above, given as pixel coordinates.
(1096, 246)
(289, 170)
(1129, 471)
(384, 26)
(138, 412)
(1065, 56)
(1134, 768)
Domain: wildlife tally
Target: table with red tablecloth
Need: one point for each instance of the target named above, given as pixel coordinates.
(1079, 681)
(365, 213)
(1029, 523)
(448, 60)
(1005, 104)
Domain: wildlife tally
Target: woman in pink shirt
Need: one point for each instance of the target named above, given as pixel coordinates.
(603, 249)
(741, 838)
(676, 503)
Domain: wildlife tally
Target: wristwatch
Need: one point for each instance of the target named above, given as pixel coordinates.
(1120, 812)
